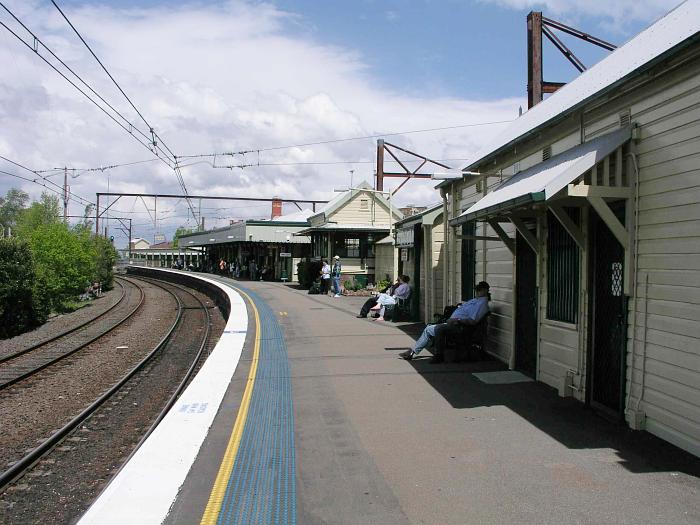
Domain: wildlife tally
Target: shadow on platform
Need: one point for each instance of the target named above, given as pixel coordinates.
(570, 422)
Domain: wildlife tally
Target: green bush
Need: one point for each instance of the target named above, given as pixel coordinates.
(18, 310)
(349, 285)
(308, 272)
(384, 283)
(65, 262)
(105, 257)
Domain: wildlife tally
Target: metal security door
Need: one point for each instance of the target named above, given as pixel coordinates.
(526, 307)
(607, 373)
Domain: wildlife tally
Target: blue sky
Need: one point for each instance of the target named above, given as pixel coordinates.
(460, 48)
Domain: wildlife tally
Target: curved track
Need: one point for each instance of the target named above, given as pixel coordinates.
(27, 362)
(126, 384)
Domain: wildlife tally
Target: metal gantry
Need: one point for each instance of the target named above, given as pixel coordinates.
(157, 196)
(538, 25)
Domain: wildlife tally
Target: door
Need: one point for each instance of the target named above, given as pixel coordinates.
(417, 250)
(608, 327)
(526, 307)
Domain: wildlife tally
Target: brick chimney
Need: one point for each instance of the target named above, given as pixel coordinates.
(276, 207)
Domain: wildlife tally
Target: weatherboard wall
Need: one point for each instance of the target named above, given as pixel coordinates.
(664, 346)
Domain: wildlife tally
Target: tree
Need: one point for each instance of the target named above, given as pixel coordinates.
(65, 262)
(105, 257)
(43, 212)
(11, 207)
(18, 308)
(181, 230)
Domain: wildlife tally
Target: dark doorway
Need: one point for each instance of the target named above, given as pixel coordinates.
(525, 307)
(417, 249)
(606, 376)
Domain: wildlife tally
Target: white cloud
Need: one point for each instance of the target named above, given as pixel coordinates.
(216, 78)
(615, 15)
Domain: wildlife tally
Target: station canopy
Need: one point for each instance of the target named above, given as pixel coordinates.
(544, 180)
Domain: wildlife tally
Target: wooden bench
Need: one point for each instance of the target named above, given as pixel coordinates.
(466, 343)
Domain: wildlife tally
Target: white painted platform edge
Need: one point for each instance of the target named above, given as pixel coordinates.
(145, 489)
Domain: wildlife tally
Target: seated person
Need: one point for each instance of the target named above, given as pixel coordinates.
(400, 289)
(466, 314)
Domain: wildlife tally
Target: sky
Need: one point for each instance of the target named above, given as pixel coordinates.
(217, 77)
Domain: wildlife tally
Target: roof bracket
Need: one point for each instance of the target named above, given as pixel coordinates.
(508, 241)
(527, 234)
(569, 225)
(611, 221)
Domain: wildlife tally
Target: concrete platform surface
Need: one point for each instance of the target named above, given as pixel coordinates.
(380, 440)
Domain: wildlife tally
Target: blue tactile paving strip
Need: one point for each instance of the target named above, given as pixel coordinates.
(262, 486)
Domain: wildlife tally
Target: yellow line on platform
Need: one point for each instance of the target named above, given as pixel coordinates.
(216, 498)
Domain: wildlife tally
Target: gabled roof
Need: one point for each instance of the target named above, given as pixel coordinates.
(161, 246)
(341, 200)
(669, 34)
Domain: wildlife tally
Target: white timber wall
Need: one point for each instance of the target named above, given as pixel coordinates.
(437, 264)
(383, 261)
(361, 209)
(666, 341)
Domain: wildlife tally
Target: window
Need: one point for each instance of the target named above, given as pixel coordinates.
(562, 270)
(352, 247)
(468, 260)
(364, 204)
(346, 246)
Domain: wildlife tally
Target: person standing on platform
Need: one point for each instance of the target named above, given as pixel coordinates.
(335, 274)
(252, 270)
(325, 277)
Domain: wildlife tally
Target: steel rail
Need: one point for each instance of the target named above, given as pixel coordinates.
(183, 383)
(25, 463)
(69, 331)
(50, 362)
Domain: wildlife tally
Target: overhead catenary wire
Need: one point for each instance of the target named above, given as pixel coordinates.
(78, 197)
(153, 145)
(79, 171)
(37, 41)
(347, 139)
(175, 167)
(42, 184)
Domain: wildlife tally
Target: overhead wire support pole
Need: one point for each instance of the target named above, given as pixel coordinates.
(537, 25)
(65, 195)
(408, 174)
(564, 49)
(579, 34)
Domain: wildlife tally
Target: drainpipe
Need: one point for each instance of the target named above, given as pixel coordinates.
(446, 258)
(637, 417)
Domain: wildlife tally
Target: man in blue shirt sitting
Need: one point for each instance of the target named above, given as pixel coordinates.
(467, 314)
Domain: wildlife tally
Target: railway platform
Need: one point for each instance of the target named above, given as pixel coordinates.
(305, 414)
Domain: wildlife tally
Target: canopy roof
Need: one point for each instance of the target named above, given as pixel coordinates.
(546, 179)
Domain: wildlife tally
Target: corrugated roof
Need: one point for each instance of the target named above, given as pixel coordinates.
(642, 51)
(546, 179)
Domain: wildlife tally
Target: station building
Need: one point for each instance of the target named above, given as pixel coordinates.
(349, 226)
(584, 216)
(163, 254)
(274, 244)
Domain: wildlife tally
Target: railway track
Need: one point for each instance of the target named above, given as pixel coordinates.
(20, 365)
(125, 393)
